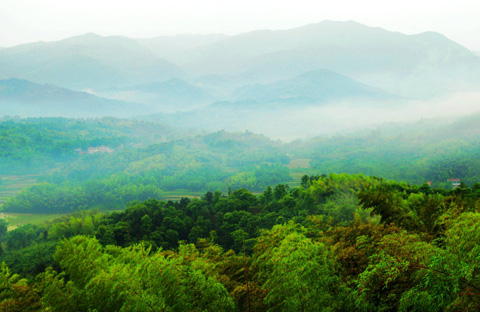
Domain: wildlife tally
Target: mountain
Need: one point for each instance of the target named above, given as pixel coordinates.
(89, 61)
(312, 87)
(312, 64)
(170, 95)
(27, 99)
(410, 65)
(422, 65)
(177, 48)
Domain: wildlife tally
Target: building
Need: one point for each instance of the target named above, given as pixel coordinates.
(455, 182)
(94, 150)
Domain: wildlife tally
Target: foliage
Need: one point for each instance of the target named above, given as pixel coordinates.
(335, 243)
(39, 144)
(114, 279)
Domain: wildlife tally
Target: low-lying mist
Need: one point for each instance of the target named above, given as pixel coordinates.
(349, 116)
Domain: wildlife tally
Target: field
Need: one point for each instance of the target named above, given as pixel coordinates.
(177, 195)
(13, 184)
(299, 163)
(18, 219)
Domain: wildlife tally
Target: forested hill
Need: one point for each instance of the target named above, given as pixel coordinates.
(339, 243)
(34, 145)
(109, 180)
(430, 150)
(123, 170)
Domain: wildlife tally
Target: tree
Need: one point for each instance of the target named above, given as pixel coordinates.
(134, 279)
(15, 294)
(298, 273)
(3, 227)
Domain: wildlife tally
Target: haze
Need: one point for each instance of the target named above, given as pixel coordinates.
(23, 21)
(307, 68)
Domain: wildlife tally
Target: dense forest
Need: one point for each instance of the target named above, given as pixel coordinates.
(262, 226)
(335, 243)
(147, 160)
(40, 144)
(217, 161)
(431, 150)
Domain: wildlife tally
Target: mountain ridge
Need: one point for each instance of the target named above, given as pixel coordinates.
(169, 95)
(29, 99)
(422, 66)
(314, 87)
(121, 60)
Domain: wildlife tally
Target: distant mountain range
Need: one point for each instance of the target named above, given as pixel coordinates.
(27, 99)
(317, 63)
(86, 62)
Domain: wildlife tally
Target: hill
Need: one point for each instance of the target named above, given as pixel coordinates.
(430, 150)
(422, 66)
(293, 107)
(311, 87)
(177, 48)
(408, 65)
(36, 145)
(170, 95)
(27, 99)
(87, 61)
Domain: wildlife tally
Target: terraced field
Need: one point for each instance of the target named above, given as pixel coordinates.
(298, 168)
(299, 163)
(13, 184)
(176, 195)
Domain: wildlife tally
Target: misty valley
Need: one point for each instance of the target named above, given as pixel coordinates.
(329, 167)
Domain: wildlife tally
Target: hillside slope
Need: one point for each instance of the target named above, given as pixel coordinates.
(87, 61)
(27, 99)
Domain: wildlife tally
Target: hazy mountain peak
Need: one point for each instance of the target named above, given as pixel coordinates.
(214, 36)
(320, 73)
(89, 35)
(164, 86)
(330, 28)
(419, 65)
(87, 61)
(433, 36)
(311, 87)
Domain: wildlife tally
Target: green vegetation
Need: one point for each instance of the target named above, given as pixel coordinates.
(418, 152)
(125, 215)
(339, 243)
(15, 220)
(11, 185)
(36, 145)
(256, 207)
(218, 161)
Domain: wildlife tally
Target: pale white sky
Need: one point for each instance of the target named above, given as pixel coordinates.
(23, 21)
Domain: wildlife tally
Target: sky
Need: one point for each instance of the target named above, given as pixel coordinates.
(23, 21)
